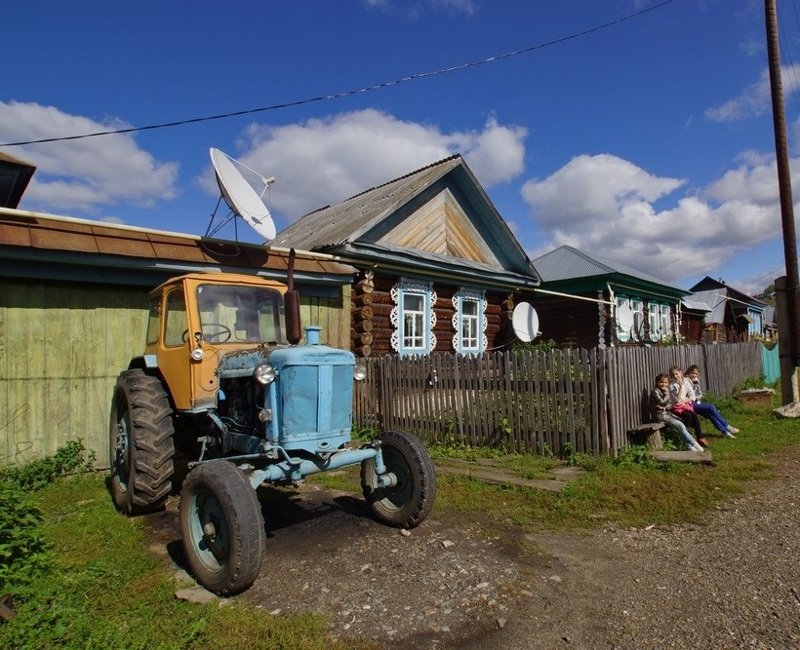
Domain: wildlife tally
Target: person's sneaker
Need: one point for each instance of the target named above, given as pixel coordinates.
(732, 430)
(697, 448)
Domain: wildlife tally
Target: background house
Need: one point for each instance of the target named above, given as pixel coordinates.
(732, 316)
(693, 324)
(439, 269)
(582, 296)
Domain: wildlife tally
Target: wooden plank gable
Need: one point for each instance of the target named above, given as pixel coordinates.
(441, 226)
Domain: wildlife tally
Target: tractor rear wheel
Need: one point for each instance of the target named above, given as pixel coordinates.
(222, 527)
(141, 445)
(407, 503)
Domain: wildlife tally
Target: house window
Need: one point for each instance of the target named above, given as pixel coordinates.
(659, 321)
(634, 329)
(413, 318)
(666, 328)
(469, 322)
(755, 326)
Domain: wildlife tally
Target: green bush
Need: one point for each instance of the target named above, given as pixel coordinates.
(23, 551)
(69, 459)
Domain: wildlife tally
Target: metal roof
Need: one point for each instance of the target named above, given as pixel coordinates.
(691, 303)
(33, 241)
(345, 222)
(710, 284)
(569, 263)
(715, 301)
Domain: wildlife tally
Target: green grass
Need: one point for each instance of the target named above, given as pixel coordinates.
(630, 490)
(98, 585)
(105, 589)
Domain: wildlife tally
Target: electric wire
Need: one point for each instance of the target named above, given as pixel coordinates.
(348, 93)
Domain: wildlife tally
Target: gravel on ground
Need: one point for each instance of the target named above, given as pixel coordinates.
(730, 581)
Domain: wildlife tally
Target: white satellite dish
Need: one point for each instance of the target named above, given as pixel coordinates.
(624, 317)
(239, 195)
(525, 321)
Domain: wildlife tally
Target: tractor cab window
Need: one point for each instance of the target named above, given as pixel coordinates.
(154, 319)
(176, 324)
(241, 314)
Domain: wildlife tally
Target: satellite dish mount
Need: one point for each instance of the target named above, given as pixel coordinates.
(240, 198)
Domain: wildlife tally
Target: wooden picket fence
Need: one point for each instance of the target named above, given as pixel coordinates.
(536, 402)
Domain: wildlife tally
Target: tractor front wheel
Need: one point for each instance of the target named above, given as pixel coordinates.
(407, 503)
(141, 445)
(222, 527)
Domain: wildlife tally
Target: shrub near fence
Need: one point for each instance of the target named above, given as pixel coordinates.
(537, 402)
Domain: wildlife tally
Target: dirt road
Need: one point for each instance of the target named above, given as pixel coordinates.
(731, 582)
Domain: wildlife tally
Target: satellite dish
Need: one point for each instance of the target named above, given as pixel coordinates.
(624, 317)
(525, 321)
(239, 195)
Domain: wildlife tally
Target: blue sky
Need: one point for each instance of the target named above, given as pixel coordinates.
(649, 141)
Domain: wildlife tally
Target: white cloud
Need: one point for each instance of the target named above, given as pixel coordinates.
(85, 174)
(325, 160)
(468, 7)
(605, 205)
(755, 99)
(415, 9)
(589, 188)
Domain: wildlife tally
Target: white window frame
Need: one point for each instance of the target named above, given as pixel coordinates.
(666, 321)
(637, 307)
(755, 327)
(475, 342)
(403, 341)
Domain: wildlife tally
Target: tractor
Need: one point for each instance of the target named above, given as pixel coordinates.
(225, 385)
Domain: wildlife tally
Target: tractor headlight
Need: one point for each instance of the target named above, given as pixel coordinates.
(360, 371)
(264, 374)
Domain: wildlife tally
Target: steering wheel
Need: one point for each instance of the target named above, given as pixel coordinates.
(222, 333)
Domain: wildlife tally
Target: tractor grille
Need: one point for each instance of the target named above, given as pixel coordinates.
(316, 406)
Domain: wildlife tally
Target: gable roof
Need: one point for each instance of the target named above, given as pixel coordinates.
(567, 263)
(708, 287)
(437, 219)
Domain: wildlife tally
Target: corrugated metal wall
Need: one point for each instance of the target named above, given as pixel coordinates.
(62, 346)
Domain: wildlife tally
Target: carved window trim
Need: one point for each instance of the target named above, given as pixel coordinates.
(478, 298)
(402, 341)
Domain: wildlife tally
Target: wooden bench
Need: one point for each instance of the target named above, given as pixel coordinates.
(648, 434)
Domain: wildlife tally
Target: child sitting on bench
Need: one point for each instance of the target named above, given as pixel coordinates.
(660, 408)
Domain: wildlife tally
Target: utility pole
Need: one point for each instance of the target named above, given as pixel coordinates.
(787, 298)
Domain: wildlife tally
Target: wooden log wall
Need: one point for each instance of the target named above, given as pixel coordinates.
(569, 322)
(372, 309)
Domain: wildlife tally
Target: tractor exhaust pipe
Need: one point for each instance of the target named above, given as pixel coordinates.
(291, 301)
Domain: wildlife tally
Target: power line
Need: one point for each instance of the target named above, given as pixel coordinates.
(348, 93)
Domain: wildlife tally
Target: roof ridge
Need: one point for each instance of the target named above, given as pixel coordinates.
(376, 187)
(399, 178)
